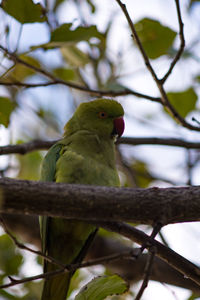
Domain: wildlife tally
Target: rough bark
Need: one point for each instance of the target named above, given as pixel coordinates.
(85, 202)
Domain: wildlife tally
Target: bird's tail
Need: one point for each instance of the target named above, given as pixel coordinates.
(56, 287)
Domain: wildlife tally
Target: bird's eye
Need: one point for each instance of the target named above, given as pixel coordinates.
(102, 114)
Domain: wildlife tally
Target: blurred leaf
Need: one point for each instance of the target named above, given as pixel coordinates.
(6, 108)
(8, 296)
(156, 38)
(29, 168)
(75, 56)
(24, 11)
(186, 53)
(78, 277)
(192, 3)
(193, 297)
(197, 78)
(10, 261)
(49, 117)
(142, 176)
(20, 72)
(115, 86)
(65, 34)
(65, 74)
(184, 102)
(101, 287)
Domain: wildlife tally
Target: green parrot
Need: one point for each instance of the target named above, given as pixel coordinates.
(85, 155)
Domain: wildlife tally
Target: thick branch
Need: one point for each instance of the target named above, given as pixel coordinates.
(85, 202)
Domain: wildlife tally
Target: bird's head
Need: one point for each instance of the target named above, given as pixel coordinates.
(104, 117)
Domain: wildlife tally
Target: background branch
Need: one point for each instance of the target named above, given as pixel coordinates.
(182, 43)
(165, 101)
(27, 229)
(55, 80)
(135, 141)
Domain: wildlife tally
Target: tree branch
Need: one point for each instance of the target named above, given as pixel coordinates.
(171, 257)
(55, 80)
(165, 101)
(147, 274)
(87, 202)
(182, 43)
(135, 141)
(70, 267)
(27, 229)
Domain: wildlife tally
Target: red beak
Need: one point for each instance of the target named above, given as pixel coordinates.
(119, 126)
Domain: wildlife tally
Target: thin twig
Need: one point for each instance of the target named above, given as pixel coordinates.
(164, 98)
(95, 92)
(155, 231)
(23, 247)
(147, 273)
(72, 267)
(182, 43)
(55, 80)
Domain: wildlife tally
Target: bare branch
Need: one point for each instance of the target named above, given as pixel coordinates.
(177, 261)
(135, 141)
(70, 267)
(55, 80)
(26, 147)
(147, 273)
(174, 142)
(182, 43)
(27, 228)
(23, 247)
(164, 98)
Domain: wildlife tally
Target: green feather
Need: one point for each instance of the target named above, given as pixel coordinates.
(85, 155)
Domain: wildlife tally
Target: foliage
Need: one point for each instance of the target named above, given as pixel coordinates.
(101, 287)
(55, 54)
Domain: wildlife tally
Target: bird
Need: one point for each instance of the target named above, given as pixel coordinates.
(84, 155)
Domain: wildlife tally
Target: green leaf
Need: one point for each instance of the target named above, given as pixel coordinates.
(143, 177)
(65, 74)
(184, 102)
(192, 3)
(101, 287)
(65, 34)
(74, 56)
(156, 38)
(6, 108)
(8, 296)
(10, 261)
(24, 11)
(21, 72)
